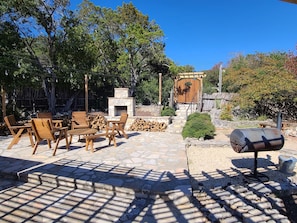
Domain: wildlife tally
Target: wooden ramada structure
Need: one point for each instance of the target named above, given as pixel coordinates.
(188, 88)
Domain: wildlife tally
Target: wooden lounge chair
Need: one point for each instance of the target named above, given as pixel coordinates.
(118, 125)
(79, 120)
(57, 123)
(44, 130)
(10, 122)
(17, 130)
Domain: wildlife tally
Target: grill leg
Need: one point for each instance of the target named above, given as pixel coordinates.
(255, 163)
(255, 175)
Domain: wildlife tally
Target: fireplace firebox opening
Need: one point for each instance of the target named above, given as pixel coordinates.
(118, 110)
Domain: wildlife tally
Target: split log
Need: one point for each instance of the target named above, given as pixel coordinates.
(149, 126)
(99, 122)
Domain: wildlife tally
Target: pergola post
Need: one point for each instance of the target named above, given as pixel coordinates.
(160, 88)
(86, 94)
(3, 98)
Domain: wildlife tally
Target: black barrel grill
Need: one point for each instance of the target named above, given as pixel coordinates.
(256, 140)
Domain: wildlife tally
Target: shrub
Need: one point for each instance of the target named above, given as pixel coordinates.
(226, 113)
(262, 118)
(168, 111)
(198, 125)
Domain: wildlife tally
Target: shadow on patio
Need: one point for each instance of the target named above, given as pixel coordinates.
(77, 191)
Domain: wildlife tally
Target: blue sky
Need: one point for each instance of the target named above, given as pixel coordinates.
(203, 33)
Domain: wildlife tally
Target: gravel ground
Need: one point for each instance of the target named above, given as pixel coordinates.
(217, 154)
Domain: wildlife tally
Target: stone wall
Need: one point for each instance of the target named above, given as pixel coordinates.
(215, 101)
(148, 110)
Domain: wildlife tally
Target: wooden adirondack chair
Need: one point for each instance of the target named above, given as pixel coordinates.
(79, 120)
(17, 130)
(118, 125)
(44, 130)
(10, 122)
(57, 123)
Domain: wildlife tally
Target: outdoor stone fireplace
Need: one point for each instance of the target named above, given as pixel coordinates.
(121, 103)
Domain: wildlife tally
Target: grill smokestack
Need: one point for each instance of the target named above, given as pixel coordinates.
(279, 121)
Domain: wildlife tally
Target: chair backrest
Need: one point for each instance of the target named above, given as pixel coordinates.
(43, 128)
(123, 119)
(10, 121)
(44, 115)
(79, 118)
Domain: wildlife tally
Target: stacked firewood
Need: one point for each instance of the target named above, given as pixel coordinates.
(98, 122)
(149, 126)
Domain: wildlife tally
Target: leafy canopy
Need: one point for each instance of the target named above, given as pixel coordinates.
(263, 83)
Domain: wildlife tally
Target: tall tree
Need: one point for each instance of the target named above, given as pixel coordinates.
(40, 18)
(10, 45)
(10, 49)
(140, 41)
(128, 46)
(210, 82)
(100, 25)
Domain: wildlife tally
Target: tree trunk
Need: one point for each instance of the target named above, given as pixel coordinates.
(50, 93)
(52, 103)
(69, 102)
(134, 77)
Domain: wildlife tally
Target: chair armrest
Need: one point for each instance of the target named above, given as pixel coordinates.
(115, 122)
(74, 122)
(60, 129)
(15, 126)
(57, 121)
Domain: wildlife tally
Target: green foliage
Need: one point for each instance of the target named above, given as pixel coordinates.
(10, 48)
(208, 88)
(218, 103)
(211, 80)
(139, 42)
(148, 91)
(129, 47)
(115, 48)
(262, 118)
(168, 111)
(226, 113)
(291, 63)
(263, 84)
(38, 23)
(167, 86)
(198, 125)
